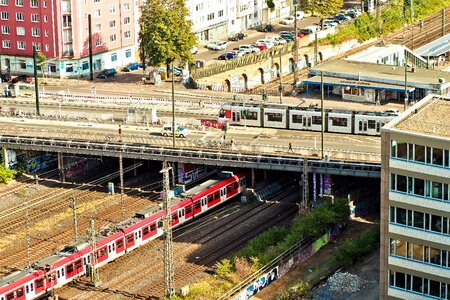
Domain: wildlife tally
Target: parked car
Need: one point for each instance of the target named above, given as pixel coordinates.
(277, 40)
(288, 21)
(239, 52)
(176, 71)
(287, 35)
(179, 132)
(265, 41)
(236, 37)
(221, 45)
(194, 50)
(309, 29)
(261, 47)
(327, 23)
(212, 44)
(227, 55)
(107, 73)
(393, 112)
(249, 48)
(130, 67)
(6, 77)
(22, 78)
(343, 17)
(264, 28)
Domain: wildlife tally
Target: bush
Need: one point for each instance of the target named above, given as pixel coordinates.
(353, 250)
(6, 174)
(297, 291)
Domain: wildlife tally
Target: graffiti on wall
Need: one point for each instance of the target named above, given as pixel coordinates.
(41, 162)
(259, 284)
(188, 173)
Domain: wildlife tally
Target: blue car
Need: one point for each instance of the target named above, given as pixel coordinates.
(131, 67)
(107, 73)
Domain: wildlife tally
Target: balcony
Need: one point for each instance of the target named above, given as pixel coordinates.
(67, 53)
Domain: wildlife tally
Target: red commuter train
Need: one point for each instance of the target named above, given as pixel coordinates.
(73, 261)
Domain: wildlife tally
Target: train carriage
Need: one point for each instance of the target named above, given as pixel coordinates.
(21, 285)
(248, 114)
(275, 117)
(305, 119)
(340, 121)
(370, 123)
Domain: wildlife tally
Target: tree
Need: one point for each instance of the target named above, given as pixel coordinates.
(166, 33)
(41, 60)
(270, 4)
(324, 8)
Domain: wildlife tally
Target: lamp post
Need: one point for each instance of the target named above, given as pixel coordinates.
(173, 110)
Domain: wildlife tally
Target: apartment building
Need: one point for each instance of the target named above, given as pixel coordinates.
(59, 28)
(415, 203)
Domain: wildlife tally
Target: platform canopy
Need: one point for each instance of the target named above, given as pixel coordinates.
(333, 81)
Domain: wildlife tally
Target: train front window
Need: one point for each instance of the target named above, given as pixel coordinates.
(275, 117)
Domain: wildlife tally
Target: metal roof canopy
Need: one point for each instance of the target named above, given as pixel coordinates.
(333, 81)
(436, 47)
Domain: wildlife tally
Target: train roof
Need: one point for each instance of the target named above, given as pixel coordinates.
(18, 277)
(374, 113)
(207, 184)
(340, 111)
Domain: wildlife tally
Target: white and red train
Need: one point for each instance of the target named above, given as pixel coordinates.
(73, 261)
(304, 118)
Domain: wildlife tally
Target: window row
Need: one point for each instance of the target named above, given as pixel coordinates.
(419, 285)
(419, 252)
(21, 17)
(20, 30)
(419, 153)
(420, 220)
(420, 187)
(33, 3)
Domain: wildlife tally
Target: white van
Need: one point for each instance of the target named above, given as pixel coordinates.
(180, 131)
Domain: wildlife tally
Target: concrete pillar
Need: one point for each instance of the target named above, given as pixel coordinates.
(62, 177)
(253, 177)
(135, 169)
(5, 157)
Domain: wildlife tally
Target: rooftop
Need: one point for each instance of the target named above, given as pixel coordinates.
(386, 74)
(435, 48)
(428, 117)
(380, 50)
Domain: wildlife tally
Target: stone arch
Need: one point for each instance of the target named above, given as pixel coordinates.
(245, 81)
(306, 59)
(277, 69)
(261, 72)
(320, 56)
(227, 85)
(291, 65)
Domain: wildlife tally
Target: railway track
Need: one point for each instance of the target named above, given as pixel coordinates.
(122, 281)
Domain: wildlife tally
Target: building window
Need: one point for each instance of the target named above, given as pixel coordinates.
(45, 19)
(67, 21)
(34, 3)
(127, 34)
(112, 9)
(6, 44)
(37, 45)
(98, 42)
(5, 29)
(23, 64)
(44, 4)
(20, 30)
(98, 27)
(112, 38)
(128, 53)
(19, 16)
(97, 13)
(34, 18)
(210, 16)
(35, 32)
(5, 15)
(220, 13)
(112, 24)
(126, 20)
(126, 6)
(46, 33)
(21, 45)
(19, 2)
(4, 2)
(113, 56)
(96, 1)
(47, 48)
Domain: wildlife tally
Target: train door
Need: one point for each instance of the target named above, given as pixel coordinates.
(223, 194)
(29, 290)
(307, 121)
(197, 207)
(378, 127)
(236, 116)
(181, 215)
(362, 126)
(204, 204)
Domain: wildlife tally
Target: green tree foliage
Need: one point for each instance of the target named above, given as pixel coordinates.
(324, 8)
(6, 174)
(353, 250)
(41, 60)
(166, 33)
(270, 4)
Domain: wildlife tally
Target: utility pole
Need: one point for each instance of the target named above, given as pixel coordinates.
(406, 81)
(321, 111)
(316, 49)
(295, 47)
(173, 110)
(36, 85)
(74, 215)
(93, 271)
(27, 232)
(91, 67)
(280, 88)
(305, 185)
(122, 204)
(169, 285)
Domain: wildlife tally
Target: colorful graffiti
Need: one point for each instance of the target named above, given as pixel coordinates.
(41, 162)
(258, 284)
